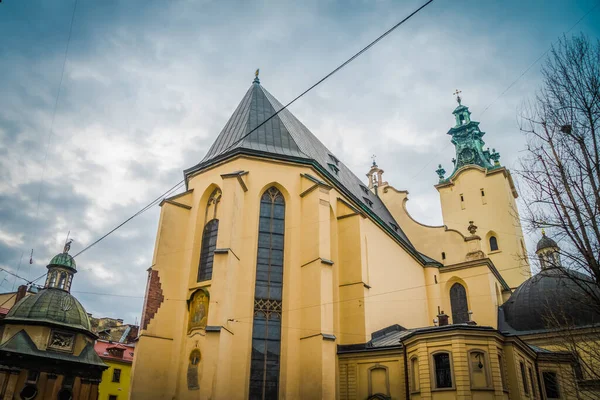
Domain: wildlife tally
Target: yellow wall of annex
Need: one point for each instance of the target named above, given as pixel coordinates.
(119, 389)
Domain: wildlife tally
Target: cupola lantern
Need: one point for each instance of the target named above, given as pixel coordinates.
(61, 269)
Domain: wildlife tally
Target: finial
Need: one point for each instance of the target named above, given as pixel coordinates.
(374, 163)
(256, 80)
(441, 172)
(457, 94)
(543, 232)
(67, 246)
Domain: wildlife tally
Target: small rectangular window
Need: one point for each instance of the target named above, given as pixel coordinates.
(462, 201)
(524, 378)
(112, 397)
(116, 375)
(532, 381)
(32, 376)
(502, 376)
(483, 198)
(414, 369)
(551, 385)
(443, 371)
(443, 255)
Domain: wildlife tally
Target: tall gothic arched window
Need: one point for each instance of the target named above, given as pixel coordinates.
(209, 237)
(207, 251)
(458, 303)
(266, 329)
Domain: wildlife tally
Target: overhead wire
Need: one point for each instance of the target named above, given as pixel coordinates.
(348, 61)
(51, 132)
(363, 50)
(509, 87)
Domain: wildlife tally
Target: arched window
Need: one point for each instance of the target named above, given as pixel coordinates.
(266, 329)
(207, 251)
(493, 243)
(458, 303)
(442, 370)
(62, 280)
(414, 375)
(52, 282)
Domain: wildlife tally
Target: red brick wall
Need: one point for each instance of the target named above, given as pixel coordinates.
(154, 297)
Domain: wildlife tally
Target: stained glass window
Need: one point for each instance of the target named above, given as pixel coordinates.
(458, 303)
(207, 252)
(443, 372)
(266, 329)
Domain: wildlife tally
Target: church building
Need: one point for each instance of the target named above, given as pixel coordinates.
(279, 274)
(46, 342)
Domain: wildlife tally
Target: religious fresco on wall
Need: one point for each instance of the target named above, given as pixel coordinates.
(198, 310)
(192, 372)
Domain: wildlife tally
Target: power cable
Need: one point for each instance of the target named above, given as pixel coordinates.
(509, 87)
(49, 139)
(147, 207)
(364, 49)
(539, 58)
(348, 61)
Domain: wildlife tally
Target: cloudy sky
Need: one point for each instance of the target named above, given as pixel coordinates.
(148, 85)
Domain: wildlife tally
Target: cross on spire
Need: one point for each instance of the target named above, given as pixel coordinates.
(256, 80)
(374, 163)
(457, 94)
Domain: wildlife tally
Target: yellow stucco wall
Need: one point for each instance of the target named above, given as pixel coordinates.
(371, 282)
(495, 213)
(108, 387)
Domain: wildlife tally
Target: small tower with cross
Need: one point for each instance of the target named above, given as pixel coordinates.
(375, 176)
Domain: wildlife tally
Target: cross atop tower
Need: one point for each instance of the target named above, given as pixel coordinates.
(457, 94)
(256, 80)
(373, 158)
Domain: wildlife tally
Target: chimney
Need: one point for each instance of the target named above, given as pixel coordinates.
(443, 319)
(21, 292)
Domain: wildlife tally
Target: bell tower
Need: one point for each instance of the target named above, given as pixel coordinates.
(468, 142)
(481, 190)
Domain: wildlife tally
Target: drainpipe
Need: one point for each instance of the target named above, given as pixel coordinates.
(406, 372)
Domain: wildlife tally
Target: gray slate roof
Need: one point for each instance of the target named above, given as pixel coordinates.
(22, 344)
(553, 290)
(285, 137)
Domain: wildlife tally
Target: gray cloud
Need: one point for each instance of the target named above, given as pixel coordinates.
(148, 86)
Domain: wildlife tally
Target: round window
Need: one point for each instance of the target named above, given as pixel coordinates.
(29, 392)
(65, 394)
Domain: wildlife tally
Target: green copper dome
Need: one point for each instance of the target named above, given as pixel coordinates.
(63, 260)
(53, 306)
